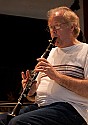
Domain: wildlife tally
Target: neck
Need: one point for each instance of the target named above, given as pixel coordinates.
(67, 43)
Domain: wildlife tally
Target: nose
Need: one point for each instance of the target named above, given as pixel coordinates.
(53, 33)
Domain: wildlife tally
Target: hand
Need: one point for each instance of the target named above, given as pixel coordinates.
(44, 66)
(25, 78)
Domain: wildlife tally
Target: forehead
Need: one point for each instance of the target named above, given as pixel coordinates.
(56, 16)
(56, 19)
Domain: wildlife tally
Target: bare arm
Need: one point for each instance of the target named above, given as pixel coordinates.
(76, 85)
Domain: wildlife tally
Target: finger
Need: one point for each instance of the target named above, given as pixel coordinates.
(24, 82)
(28, 75)
(42, 59)
(43, 64)
(41, 69)
(23, 75)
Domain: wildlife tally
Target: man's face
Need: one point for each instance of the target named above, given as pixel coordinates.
(59, 28)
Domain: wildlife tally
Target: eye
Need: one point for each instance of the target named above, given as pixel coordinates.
(57, 27)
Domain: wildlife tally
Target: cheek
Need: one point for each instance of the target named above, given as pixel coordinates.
(64, 33)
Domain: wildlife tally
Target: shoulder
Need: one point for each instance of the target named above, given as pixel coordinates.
(84, 46)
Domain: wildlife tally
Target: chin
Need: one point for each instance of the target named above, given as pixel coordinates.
(56, 43)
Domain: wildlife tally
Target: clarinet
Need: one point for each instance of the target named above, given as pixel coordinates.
(27, 88)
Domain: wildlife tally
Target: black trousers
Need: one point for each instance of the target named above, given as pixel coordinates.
(59, 113)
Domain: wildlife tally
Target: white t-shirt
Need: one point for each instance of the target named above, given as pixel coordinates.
(72, 61)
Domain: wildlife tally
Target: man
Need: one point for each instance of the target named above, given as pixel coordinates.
(62, 82)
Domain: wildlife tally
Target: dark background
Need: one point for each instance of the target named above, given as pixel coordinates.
(22, 41)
